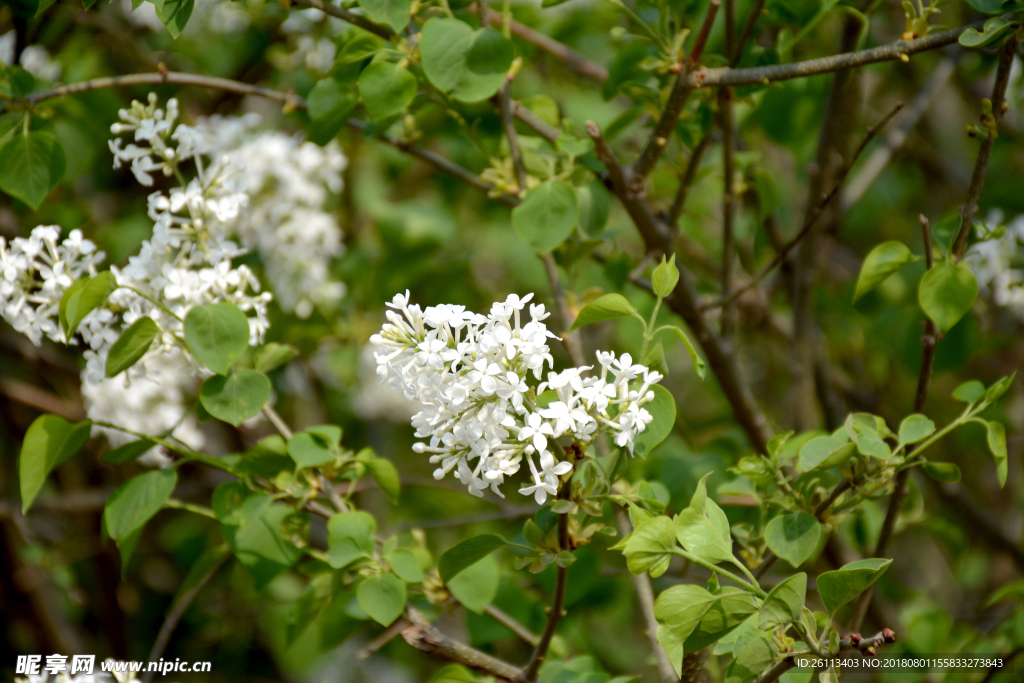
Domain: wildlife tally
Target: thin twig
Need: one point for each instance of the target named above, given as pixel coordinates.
(894, 139)
(929, 341)
(539, 125)
(677, 98)
(658, 238)
(970, 207)
(279, 424)
(645, 595)
(686, 182)
(177, 611)
(385, 637)
(509, 622)
(341, 13)
(725, 114)
(781, 255)
(529, 673)
(748, 32)
(572, 59)
(571, 340)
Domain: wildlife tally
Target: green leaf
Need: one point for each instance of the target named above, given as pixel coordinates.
(235, 398)
(174, 14)
(995, 434)
(946, 293)
(386, 476)
(382, 597)
(868, 439)
(915, 428)
(217, 335)
(404, 563)
(649, 548)
(476, 586)
(132, 345)
(607, 307)
(993, 6)
(257, 540)
(134, 502)
(85, 299)
(822, 453)
(752, 657)
(946, 472)
(31, 166)
(469, 65)
(793, 536)
(595, 201)
(127, 453)
(839, 587)
(359, 48)
(663, 410)
(690, 618)
(995, 29)
(453, 673)
(273, 356)
(350, 537)
(467, 553)
(74, 291)
(665, 277)
(309, 451)
(386, 89)
(698, 362)
(547, 216)
(329, 105)
(49, 441)
(703, 528)
(785, 603)
(969, 392)
(394, 13)
(880, 263)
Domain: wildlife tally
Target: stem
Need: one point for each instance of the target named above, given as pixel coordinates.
(354, 19)
(781, 255)
(529, 673)
(725, 114)
(279, 424)
(177, 611)
(153, 301)
(970, 207)
(176, 504)
(424, 637)
(512, 625)
(571, 340)
(749, 587)
(572, 59)
(687, 181)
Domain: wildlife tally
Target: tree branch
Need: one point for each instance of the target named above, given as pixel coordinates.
(686, 182)
(725, 114)
(529, 673)
(781, 255)
(340, 13)
(762, 75)
(423, 636)
(970, 207)
(512, 625)
(683, 300)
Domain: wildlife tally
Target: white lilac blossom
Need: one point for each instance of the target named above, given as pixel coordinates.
(186, 262)
(478, 379)
(998, 264)
(290, 186)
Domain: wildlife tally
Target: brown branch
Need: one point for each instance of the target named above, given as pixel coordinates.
(970, 207)
(340, 13)
(781, 255)
(705, 31)
(555, 612)
(683, 300)
(725, 114)
(571, 340)
(894, 139)
(762, 75)
(539, 125)
(572, 59)
(748, 31)
(423, 636)
(177, 611)
(686, 182)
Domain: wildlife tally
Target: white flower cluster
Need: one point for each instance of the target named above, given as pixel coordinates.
(478, 380)
(34, 273)
(998, 264)
(290, 185)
